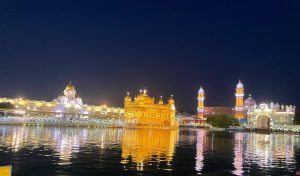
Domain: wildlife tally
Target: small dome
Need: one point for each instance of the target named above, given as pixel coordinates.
(201, 91)
(240, 85)
(70, 86)
(249, 102)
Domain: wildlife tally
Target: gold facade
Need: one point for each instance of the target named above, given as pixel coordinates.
(144, 112)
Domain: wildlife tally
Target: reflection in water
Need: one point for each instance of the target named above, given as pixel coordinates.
(201, 142)
(271, 150)
(64, 141)
(198, 151)
(238, 154)
(264, 150)
(148, 146)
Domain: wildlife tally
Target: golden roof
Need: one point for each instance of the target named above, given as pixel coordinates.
(70, 86)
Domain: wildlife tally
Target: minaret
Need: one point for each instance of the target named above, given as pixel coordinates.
(161, 102)
(239, 105)
(127, 99)
(200, 109)
(171, 103)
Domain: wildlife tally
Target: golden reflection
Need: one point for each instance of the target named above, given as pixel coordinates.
(148, 146)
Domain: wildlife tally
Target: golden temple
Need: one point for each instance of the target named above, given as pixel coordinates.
(144, 112)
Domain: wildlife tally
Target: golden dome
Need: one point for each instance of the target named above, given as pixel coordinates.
(70, 86)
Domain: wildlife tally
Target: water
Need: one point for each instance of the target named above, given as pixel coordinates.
(105, 151)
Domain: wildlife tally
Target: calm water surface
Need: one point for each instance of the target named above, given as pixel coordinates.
(103, 151)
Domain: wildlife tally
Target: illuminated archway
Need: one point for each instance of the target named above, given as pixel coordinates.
(262, 121)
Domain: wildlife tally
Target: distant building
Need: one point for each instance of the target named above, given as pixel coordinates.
(209, 111)
(144, 112)
(68, 105)
(267, 116)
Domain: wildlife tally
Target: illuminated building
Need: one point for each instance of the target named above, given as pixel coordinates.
(249, 103)
(142, 147)
(144, 112)
(239, 105)
(198, 120)
(269, 116)
(70, 101)
(69, 105)
(200, 109)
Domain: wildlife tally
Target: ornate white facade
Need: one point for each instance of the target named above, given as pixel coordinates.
(266, 116)
(70, 101)
(67, 104)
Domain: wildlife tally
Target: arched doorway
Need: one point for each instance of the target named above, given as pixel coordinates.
(262, 122)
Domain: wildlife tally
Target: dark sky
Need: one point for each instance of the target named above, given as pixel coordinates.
(169, 47)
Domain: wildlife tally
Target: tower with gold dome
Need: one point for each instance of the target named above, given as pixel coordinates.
(200, 108)
(239, 104)
(144, 112)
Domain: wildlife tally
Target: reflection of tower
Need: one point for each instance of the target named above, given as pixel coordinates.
(238, 154)
(201, 97)
(199, 150)
(239, 105)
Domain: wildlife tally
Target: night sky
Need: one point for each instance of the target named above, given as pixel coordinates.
(107, 48)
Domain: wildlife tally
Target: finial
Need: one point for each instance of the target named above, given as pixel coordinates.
(160, 97)
(145, 92)
(171, 96)
(70, 82)
(128, 93)
(141, 91)
(249, 95)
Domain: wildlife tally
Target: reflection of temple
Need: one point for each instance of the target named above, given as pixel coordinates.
(69, 103)
(148, 146)
(143, 111)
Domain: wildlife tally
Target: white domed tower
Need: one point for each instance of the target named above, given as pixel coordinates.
(200, 109)
(239, 105)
